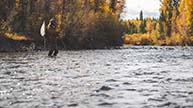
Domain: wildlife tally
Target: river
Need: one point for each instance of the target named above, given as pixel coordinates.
(129, 77)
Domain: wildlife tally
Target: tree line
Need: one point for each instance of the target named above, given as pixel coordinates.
(81, 23)
(173, 27)
(84, 24)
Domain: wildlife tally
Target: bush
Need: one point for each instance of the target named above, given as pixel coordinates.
(105, 31)
(4, 27)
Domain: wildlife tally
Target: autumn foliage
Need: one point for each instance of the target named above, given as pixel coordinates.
(81, 23)
(173, 27)
(96, 23)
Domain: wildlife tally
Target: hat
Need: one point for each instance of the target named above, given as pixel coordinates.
(53, 22)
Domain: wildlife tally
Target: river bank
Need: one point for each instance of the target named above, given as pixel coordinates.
(10, 45)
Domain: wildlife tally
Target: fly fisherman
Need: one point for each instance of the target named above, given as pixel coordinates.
(51, 38)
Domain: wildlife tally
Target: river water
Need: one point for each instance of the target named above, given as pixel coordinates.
(129, 77)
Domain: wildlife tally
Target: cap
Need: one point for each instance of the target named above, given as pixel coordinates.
(53, 22)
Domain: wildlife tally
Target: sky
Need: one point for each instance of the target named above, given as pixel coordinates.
(133, 7)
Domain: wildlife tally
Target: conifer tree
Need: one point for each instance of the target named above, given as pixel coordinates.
(142, 23)
(141, 15)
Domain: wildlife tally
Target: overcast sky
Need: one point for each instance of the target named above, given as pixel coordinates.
(133, 7)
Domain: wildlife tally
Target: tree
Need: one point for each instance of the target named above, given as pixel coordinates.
(113, 5)
(142, 23)
(166, 11)
(74, 17)
(149, 26)
(191, 25)
(173, 20)
(162, 20)
(190, 16)
(182, 19)
(141, 15)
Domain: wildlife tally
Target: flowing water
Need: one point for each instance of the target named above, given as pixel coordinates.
(129, 77)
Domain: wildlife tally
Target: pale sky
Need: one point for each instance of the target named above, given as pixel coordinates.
(133, 7)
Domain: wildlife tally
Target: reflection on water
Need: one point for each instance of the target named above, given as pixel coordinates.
(130, 77)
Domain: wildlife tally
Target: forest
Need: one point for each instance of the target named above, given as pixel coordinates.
(173, 27)
(82, 24)
(91, 24)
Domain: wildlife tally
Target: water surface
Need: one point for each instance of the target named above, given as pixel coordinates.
(130, 77)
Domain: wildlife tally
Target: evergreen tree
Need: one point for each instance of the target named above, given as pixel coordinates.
(142, 23)
(141, 15)
(161, 25)
(191, 25)
(174, 19)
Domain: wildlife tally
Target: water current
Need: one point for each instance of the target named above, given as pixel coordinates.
(127, 77)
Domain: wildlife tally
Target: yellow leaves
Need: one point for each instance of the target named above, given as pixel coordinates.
(191, 39)
(175, 39)
(174, 27)
(15, 36)
(165, 7)
(146, 39)
(154, 36)
(185, 9)
(189, 8)
(148, 25)
(133, 39)
(135, 22)
(105, 8)
(59, 21)
(4, 27)
(17, 2)
(137, 39)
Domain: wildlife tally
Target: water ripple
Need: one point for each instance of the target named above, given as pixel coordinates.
(127, 77)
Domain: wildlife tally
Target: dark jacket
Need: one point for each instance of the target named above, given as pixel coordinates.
(51, 38)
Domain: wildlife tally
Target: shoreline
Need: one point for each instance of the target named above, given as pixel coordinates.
(9, 45)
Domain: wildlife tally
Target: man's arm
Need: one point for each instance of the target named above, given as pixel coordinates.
(58, 35)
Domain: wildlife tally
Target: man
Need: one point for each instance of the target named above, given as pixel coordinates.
(51, 38)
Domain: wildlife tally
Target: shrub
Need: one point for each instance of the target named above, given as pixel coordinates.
(105, 31)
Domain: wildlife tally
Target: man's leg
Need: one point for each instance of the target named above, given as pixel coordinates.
(50, 53)
(55, 52)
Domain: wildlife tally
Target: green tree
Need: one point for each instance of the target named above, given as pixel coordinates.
(162, 20)
(142, 23)
(141, 15)
(191, 25)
